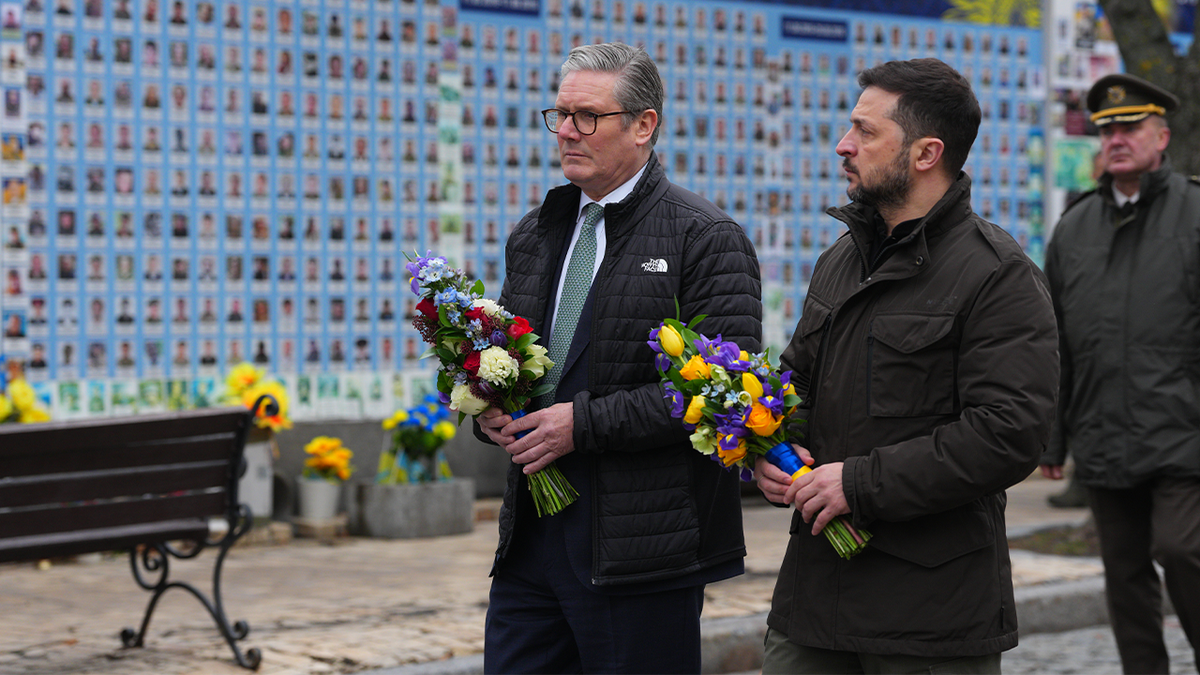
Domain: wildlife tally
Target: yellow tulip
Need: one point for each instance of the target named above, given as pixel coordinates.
(695, 410)
(671, 340)
(743, 355)
(762, 421)
(751, 385)
(695, 367)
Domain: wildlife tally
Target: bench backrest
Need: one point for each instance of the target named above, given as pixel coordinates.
(105, 484)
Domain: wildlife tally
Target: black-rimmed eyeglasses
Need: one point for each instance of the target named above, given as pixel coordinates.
(584, 121)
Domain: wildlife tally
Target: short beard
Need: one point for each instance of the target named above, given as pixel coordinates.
(891, 190)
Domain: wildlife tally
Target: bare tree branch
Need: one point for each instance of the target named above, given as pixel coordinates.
(1148, 53)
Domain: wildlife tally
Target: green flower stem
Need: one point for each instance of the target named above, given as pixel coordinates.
(551, 491)
(846, 540)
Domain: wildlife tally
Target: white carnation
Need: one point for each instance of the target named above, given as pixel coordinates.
(496, 366)
(463, 401)
(490, 307)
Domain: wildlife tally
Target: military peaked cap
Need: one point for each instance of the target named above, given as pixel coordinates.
(1124, 98)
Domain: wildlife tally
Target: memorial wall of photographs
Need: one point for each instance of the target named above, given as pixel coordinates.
(187, 185)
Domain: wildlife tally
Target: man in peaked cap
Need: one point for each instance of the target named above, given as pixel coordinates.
(1122, 266)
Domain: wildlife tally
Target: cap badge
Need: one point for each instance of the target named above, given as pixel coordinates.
(1116, 94)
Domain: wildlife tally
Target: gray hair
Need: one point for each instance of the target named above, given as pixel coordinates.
(639, 87)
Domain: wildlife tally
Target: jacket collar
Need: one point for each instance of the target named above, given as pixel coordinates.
(562, 203)
(953, 208)
(1151, 183)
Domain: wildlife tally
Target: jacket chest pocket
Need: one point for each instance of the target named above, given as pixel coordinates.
(913, 359)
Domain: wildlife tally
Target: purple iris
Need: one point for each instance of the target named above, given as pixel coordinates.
(653, 341)
(676, 398)
(731, 423)
(775, 405)
(486, 388)
(704, 345)
(443, 397)
(662, 362)
(729, 443)
(725, 354)
(498, 338)
(414, 269)
(784, 378)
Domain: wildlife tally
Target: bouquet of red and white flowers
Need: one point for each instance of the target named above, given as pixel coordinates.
(736, 405)
(487, 356)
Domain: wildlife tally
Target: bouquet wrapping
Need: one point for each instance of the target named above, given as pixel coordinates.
(735, 404)
(487, 358)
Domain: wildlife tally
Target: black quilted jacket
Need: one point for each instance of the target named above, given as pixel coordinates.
(659, 509)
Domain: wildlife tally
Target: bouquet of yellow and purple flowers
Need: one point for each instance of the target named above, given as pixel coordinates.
(736, 405)
(487, 358)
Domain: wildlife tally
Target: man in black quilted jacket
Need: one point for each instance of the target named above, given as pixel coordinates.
(615, 582)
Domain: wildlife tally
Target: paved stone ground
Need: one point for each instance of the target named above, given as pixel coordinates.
(355, 605)
(1089, 651)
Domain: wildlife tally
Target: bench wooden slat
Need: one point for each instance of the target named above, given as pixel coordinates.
(102, 539)
(76, 486)
(74, 434)
(26, 522)
(103, 455)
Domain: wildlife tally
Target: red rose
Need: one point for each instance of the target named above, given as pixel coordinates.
(518, 327)
(426, 307)
(471, 365)
(474, 313)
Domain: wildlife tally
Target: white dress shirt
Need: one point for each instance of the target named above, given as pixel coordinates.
(621, 192)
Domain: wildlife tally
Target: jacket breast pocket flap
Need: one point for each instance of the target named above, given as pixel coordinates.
(813, 318)
(912, 365)
(935, 539)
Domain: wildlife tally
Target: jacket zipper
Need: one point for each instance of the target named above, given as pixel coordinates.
(870, 363)
(862, 261)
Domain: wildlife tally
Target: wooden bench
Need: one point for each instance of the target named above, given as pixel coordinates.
(160, 486)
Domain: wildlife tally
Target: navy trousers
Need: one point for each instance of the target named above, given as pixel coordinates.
(542, 618)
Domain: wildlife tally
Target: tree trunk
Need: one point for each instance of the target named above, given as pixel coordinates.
(1147, 51)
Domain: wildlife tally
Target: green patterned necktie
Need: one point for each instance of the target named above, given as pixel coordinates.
(576, 285)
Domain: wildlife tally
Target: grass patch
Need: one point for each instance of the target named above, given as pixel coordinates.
(1079, 540)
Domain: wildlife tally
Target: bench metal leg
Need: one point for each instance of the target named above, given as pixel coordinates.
(156, 559)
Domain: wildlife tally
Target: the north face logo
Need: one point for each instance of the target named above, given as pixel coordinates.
(659, 266)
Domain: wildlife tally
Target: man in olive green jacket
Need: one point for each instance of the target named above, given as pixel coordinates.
(928, 352)
(1124, 270)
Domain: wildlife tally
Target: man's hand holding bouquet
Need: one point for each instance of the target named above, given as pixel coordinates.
(736, 405)
(487, 357)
